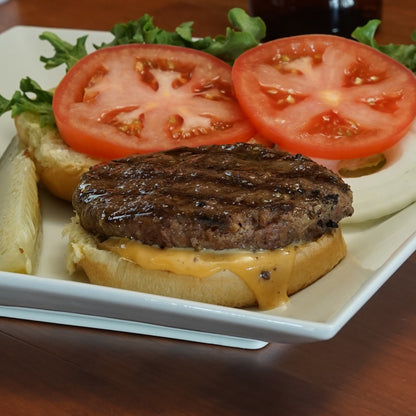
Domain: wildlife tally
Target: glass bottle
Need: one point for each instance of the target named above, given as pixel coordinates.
(296, 17)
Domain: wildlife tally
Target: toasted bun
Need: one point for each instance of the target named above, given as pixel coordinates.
(58, 166)
(20, 217)
(103, 267)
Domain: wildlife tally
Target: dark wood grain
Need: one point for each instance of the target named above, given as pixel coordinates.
(369, 368)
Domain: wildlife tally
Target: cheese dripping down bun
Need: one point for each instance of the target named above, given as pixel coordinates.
(235, 278)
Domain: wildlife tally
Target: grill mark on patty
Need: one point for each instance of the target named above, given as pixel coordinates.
(230, 196)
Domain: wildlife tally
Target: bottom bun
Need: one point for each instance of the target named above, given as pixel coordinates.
(102, 267)
(59, 168)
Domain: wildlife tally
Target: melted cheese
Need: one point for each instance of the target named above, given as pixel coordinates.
(266, 273)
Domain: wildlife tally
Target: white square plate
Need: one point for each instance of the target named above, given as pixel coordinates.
(375, 251)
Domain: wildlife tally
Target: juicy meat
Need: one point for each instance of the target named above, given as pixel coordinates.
(228, 196)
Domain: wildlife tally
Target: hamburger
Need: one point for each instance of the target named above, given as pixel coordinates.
(237, 225)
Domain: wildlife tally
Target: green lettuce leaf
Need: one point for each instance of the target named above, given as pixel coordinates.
(144, 31)
(245, 33)
(65, 53)
(31, 97)
(405, 54)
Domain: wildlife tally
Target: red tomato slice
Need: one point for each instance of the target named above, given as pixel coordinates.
(325, 96)
(141, 98)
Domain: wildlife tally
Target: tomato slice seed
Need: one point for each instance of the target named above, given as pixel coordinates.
(282, 98)
(333, 125)
(384, 104)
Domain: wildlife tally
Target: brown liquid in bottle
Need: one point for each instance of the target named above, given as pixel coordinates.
(296, 17)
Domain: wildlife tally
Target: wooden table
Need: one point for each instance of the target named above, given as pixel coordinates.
(369, 368)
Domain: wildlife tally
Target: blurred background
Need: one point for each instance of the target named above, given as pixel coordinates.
(52, 13)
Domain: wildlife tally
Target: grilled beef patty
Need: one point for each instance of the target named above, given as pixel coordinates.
(218, 197)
